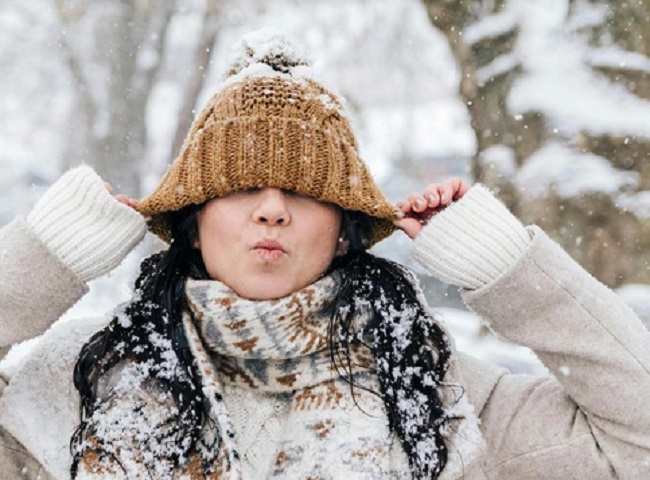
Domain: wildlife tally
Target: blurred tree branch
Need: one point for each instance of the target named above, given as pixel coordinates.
(196, 82)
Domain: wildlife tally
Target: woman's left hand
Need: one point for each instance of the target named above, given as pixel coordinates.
(420, 207)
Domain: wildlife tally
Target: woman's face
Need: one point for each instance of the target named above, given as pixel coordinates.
(268, 243)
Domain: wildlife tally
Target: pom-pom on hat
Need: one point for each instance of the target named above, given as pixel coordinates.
(270, 125)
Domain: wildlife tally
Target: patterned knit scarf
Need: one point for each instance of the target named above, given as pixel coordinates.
(276, 346)
(267, 346)
(283, 346)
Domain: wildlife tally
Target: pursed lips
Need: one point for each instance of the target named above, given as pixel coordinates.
(269, 249)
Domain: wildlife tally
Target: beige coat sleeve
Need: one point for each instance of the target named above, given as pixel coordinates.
(76, 232)
(35, 290)
(592, 418)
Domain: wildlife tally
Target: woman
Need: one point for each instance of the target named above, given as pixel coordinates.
(266, 342)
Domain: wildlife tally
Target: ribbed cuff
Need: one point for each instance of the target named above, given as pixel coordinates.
(83, 225)
(471, 242)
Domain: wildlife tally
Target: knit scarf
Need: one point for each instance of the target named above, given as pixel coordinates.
(275, 346)
(283, 346)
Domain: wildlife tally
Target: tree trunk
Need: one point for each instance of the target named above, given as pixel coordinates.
(594, 227)
(108, 129)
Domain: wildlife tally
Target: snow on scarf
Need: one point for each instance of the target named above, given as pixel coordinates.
(267, 346)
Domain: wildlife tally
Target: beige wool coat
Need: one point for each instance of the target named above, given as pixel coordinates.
(589, 420)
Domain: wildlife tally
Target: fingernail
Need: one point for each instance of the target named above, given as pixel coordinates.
(419, 202)
(431, 197)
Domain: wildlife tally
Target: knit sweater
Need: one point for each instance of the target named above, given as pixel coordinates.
(515, 277)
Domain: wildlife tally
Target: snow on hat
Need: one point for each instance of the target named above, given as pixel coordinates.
(270, 125)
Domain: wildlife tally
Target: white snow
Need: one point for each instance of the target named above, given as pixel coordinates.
(588, 14)
(570, 173)
(145, 428)
(500, 158)
(617, 58)
(559, 83)
(268, 52)
(637, 203)
(499, 66)
(259, 51)
(491, 26)
(266, 43)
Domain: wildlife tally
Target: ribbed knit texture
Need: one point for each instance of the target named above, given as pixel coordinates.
(276, 130)
(472, 242)
(259, 421)
(84, 226)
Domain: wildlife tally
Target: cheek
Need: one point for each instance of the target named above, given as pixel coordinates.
(216, 223)
(326, 237)
(334, 229)
(215, 234)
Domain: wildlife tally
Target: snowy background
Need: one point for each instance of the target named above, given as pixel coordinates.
(70, 66)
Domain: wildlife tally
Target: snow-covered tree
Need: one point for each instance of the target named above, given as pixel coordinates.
(559, 96)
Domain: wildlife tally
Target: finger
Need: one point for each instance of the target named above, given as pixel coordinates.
(462, 189)
(432, 196)
(418, 203)
(122, 199)
(108, 187)
(411, 226)
(458, 187)
(405, 207)
(446, 190)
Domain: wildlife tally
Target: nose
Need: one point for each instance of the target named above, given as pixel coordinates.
(271, 209)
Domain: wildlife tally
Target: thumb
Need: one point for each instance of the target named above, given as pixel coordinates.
(411, 226)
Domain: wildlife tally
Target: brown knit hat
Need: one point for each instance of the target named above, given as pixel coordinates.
(270, 125)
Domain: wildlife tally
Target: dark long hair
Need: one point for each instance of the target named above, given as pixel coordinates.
(154, 312)
(410, 349)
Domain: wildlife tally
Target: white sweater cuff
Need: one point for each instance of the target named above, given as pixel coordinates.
(81, 223)
(471, 242)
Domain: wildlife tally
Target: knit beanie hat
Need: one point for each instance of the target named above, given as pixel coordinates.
(270, 125)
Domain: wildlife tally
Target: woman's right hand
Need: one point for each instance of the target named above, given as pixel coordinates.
(120, 197)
